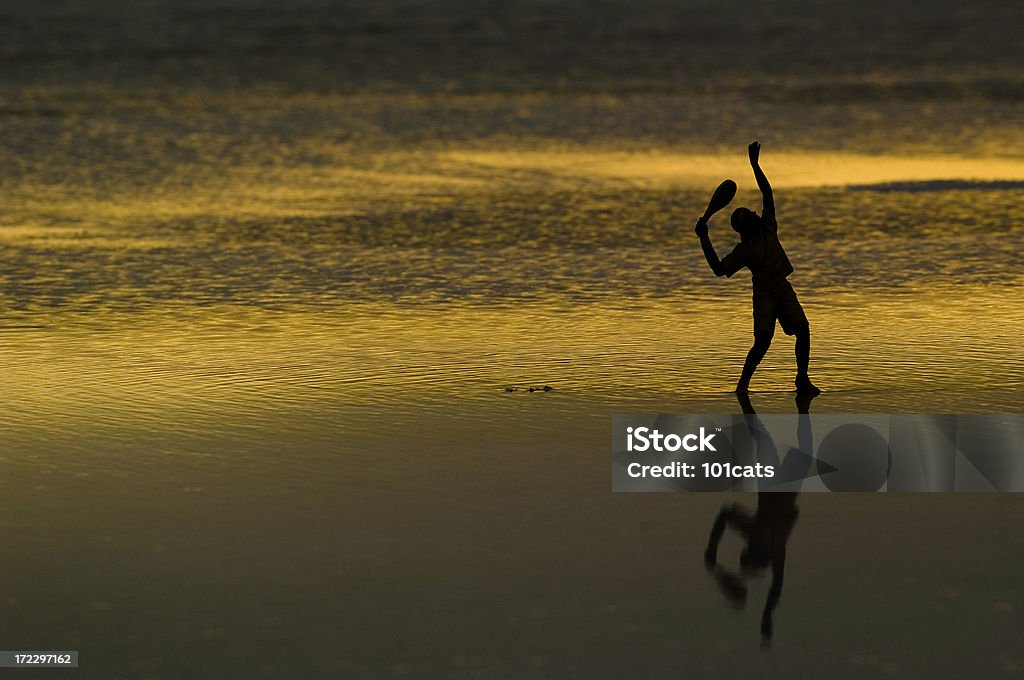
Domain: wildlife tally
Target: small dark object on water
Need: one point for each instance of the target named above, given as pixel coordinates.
(546, 388)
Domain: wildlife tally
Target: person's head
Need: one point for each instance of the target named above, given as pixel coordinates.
(745, 221)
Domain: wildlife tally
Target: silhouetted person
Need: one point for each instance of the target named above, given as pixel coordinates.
(767, 530)
(774, 298)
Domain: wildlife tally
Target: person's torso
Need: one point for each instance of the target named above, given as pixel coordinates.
(767, 259)
(776, 515)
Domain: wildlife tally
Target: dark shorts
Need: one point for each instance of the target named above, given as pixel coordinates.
(778, 303)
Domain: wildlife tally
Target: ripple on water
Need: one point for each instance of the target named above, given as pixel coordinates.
(229, 370)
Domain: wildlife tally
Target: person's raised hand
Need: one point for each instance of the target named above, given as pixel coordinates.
(754, 151)
(702, 228)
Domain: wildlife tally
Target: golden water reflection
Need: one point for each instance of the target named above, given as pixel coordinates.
(224, 369)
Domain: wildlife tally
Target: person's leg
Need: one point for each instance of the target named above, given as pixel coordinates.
(762, 341)
(803, 350)
(764, 329)
(803, 358)
(794, 322)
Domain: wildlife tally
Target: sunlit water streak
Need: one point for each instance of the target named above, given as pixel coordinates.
(393, 290)
(220, 367)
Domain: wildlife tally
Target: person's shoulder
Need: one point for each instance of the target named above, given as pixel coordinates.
(736, 259)
(739, 250)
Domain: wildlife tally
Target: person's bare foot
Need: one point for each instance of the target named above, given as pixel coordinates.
(805, 386)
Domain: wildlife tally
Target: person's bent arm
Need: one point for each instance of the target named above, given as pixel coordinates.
(709, 250)
(768, 198)
(734, 516)
(711, 553)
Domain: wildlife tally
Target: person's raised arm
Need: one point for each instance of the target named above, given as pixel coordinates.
(709, 250)
(768, 205)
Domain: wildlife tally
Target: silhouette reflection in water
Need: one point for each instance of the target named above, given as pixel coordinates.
(767, 529)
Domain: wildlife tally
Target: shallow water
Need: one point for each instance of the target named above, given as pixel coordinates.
(265, 276)
(232, 443)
